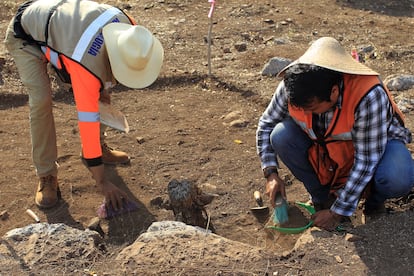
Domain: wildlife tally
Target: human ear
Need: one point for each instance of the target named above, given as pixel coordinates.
(334, 93)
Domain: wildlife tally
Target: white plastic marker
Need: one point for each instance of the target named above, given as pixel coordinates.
(32, 215)
(213, 3)
(210, 16)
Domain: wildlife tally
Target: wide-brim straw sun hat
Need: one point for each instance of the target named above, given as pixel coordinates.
(328, 53)
(135, 55)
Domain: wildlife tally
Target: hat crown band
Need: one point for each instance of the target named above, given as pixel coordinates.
(135, 47)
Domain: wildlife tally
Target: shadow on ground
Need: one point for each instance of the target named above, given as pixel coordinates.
(125, 228)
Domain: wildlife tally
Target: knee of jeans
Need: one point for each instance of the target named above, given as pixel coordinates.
(394, 186)
(287, 135)
(279, 136)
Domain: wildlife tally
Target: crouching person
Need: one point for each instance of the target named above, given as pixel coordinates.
(336, 127)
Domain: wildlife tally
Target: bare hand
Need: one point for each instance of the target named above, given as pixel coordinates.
(274, 184)
(113, 195)
(326, 219)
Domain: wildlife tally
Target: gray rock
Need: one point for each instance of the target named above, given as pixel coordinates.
(240, 46)
(281, 41)
(404, 104)
(171, 243)
(399, 82)
(166, 228)
(275, 65)
(41, 245)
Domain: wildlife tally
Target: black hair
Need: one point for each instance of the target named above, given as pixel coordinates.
(305, 83)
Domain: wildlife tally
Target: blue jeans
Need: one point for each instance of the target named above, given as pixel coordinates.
(394, 175)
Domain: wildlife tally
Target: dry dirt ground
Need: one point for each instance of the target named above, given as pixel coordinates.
(179, 128)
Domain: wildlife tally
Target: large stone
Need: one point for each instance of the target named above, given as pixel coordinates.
(47, 246)
(169, 244)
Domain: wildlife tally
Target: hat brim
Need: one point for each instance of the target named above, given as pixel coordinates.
(122, 73)
(326, 52)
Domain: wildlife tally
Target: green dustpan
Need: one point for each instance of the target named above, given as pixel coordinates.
(296, 230)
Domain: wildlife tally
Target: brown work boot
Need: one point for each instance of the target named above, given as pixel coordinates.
(47, 194)
(113, 157)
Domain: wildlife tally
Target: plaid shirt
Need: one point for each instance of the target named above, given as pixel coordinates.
(374, 126)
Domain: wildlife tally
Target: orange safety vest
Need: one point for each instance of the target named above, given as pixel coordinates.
(332, 156)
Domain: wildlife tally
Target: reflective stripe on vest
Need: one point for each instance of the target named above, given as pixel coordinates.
(304, 127)
(88, 117)
(91, 31)
(345, 136)
(342, 136)
(52, 57)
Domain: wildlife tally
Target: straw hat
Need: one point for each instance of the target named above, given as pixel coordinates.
(327, 52)
(135, 55)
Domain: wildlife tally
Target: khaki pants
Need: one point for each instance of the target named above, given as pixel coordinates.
(32, 68)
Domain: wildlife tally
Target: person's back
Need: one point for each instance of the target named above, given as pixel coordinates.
(73, 28)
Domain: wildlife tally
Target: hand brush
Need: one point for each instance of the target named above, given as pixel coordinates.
(280, 213)
(107, 211)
